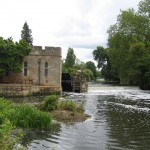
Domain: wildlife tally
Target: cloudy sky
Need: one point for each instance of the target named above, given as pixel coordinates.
(79, 24)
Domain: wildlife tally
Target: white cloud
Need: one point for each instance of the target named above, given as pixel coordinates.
(80, 24)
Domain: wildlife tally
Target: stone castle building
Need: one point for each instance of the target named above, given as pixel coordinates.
(42, 67)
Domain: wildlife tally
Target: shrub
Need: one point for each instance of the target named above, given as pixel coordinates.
(67, 105)
(70, 106)
(49, 103)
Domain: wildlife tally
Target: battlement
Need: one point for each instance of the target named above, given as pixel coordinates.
(52, 51)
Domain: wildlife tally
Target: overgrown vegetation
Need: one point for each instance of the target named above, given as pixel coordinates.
(70, 106)
(9, 140)
(12, 54)
(52, 102)
(49, 103)
(15, 116)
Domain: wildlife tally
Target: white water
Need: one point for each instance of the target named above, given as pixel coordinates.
(125, 92)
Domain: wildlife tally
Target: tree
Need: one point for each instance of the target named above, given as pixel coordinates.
(100, 55)
(138, 65)
(131, 28)
(91, 66)
(70, 59)
(12, 54)
(26, 34)
(144, 8)
(102, 58)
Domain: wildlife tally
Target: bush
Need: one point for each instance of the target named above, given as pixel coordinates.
(70, 106)
(49, 103)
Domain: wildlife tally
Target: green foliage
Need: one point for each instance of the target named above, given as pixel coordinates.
(139, 59)
(49, 103)
(87, 74)
(13, 116)
(26, 34)
(7, 138)
(91, 66)
(52, 102)
(12, 54)
(100, 55)
(88, 70)
(70, 106)
(26, 116)
(70, 59)
(144, 8)
(128, 50)
(23, 115)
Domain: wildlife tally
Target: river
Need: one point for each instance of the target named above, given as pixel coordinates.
(120, 120)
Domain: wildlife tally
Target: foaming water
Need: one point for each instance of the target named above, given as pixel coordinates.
(120, 120)
(126, 92)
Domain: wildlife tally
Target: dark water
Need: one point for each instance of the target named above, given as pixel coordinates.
(120, 120)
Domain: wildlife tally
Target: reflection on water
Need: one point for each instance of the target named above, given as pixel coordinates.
(127, 128)
(40, 139)
(120, 120)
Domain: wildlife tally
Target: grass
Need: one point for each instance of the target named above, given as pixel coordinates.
(52, 102)
(70, 106)
(26, 116)
(14, 116)
(8, 139)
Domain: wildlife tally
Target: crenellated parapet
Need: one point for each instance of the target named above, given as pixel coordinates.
(52, 51)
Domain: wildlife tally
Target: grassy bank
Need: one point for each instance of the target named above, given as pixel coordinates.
(14, 116)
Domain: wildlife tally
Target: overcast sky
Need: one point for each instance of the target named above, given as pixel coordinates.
(79, 24)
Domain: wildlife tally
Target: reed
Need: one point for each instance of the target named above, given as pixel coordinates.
(23, 115)
(13, 116)
(26, 116)
(70, 106)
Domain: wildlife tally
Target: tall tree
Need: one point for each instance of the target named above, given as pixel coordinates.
(100, 55)
(70, 59)
(26, 34)
(132, 27)
(91, 66)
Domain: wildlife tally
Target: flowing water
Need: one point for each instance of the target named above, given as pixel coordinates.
(120, 120)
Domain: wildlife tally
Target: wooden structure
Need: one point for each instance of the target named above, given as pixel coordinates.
(74, 83)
